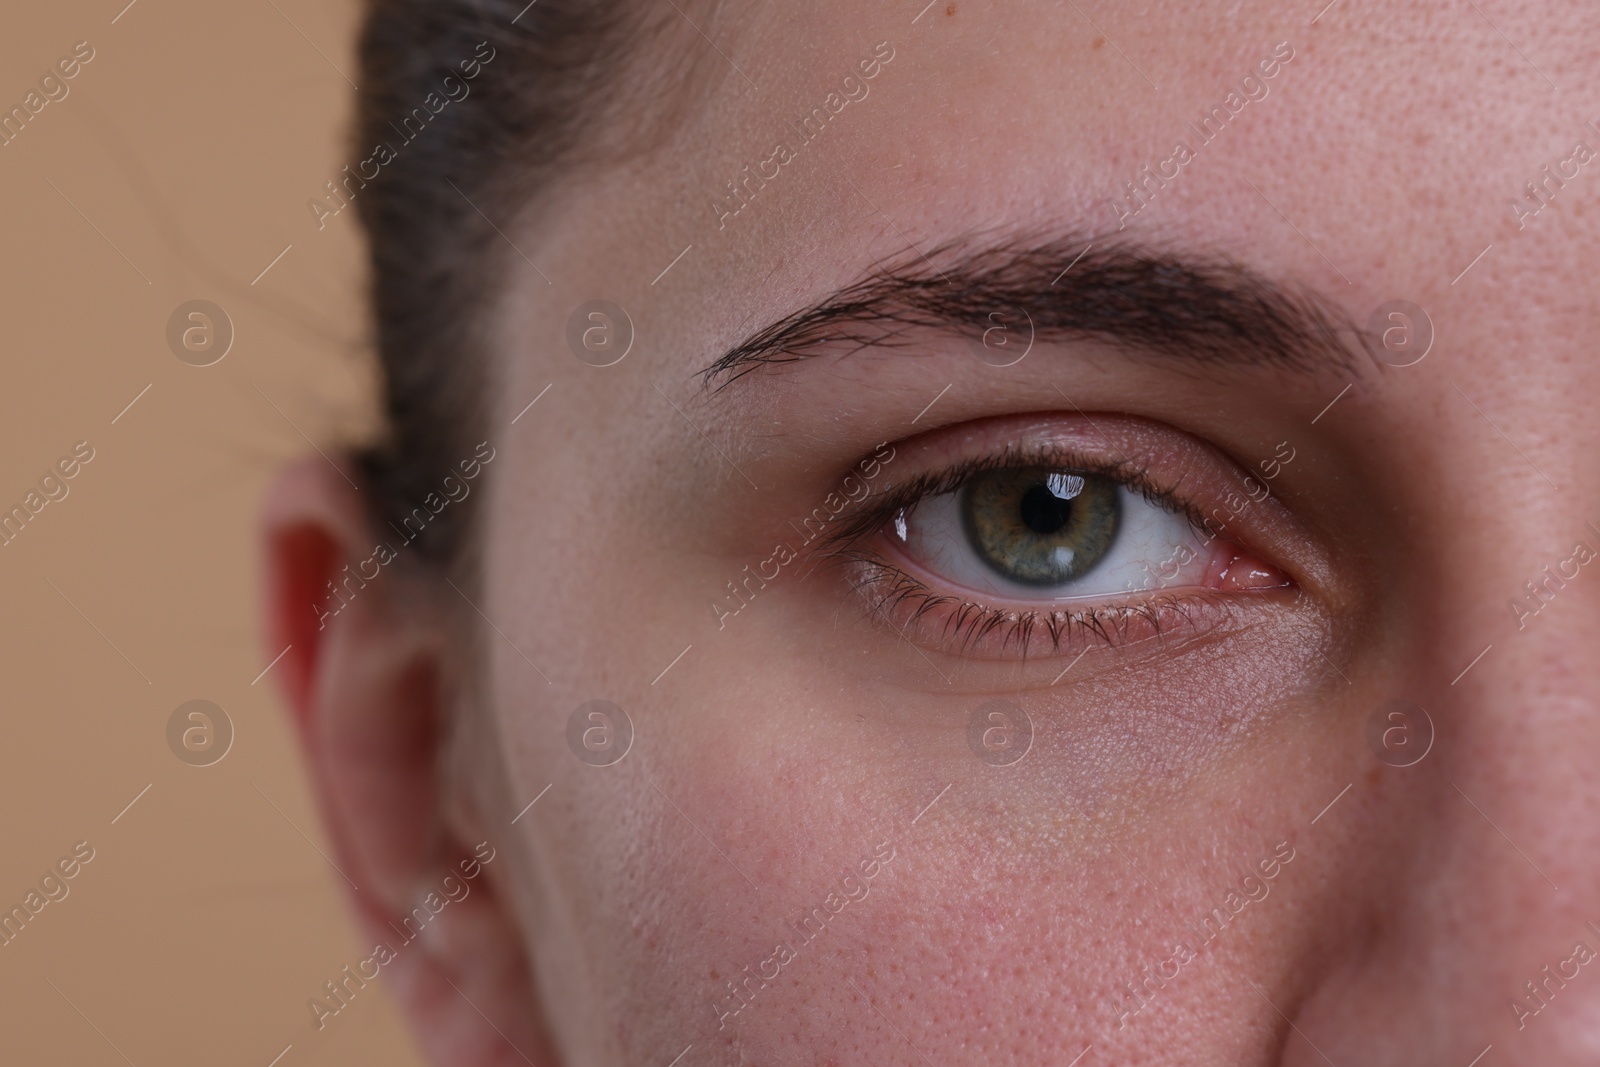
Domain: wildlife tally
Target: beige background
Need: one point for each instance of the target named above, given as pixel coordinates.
(191, 142)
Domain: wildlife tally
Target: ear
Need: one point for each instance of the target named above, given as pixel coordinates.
(363, 673)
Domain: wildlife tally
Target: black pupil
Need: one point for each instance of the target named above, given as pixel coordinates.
(1043, 511)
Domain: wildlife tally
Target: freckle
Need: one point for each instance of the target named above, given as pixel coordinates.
(949, 9)
(1099, 42)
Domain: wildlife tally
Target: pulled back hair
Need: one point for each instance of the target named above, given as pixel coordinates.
(435, 213)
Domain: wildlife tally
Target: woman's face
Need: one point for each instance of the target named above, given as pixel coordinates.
(1032, 656)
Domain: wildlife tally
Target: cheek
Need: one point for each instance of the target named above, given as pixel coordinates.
(754, 760)
(995, 901)
(999, 904)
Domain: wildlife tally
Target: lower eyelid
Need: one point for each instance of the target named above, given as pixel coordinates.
(920, 611)
(948, 623)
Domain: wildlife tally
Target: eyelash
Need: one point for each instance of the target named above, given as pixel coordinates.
(887, 587)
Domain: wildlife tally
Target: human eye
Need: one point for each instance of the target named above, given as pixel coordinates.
(1046, 536)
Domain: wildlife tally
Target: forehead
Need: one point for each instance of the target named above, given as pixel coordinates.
(1423, 117)
(1369, 154)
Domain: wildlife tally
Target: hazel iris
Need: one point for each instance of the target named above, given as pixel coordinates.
(1040, 526)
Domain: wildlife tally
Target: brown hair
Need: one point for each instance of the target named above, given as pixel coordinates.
(458, 175)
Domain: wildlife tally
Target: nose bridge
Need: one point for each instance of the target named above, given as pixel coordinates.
(1507, 900)
(1474, 927)
(1518, 774)
(1519, 726)
(1512, 601)
(1494, 877)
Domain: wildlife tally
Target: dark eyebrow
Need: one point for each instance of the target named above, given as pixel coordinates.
(1197, 309)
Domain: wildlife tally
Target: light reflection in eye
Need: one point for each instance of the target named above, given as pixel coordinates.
(1064, 485)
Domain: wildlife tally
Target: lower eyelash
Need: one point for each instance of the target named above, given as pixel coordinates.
(886, 590)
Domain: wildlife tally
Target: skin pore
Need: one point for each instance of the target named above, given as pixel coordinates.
(1187, 739)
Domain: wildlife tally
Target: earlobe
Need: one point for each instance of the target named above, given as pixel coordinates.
(365, 685)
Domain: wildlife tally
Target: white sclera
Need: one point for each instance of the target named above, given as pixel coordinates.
(1153, 548)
